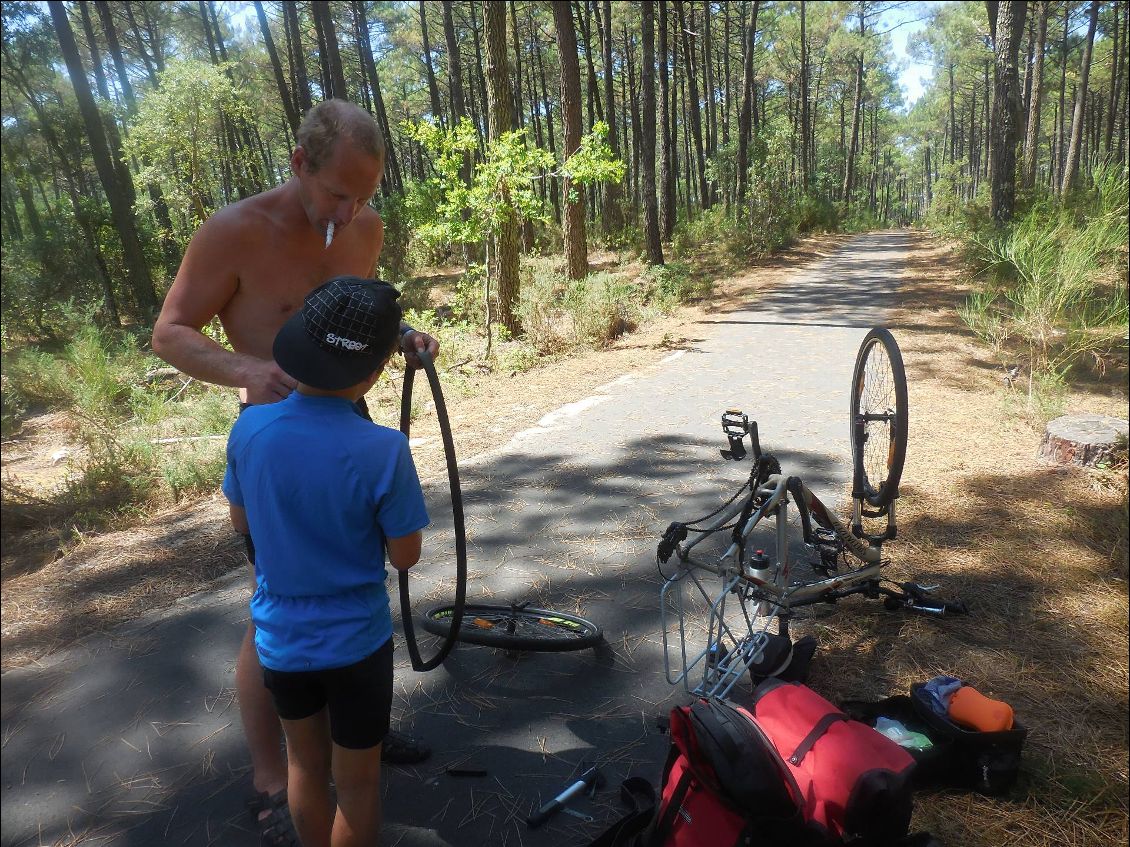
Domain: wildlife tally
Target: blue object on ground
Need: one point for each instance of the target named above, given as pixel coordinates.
(938, 692)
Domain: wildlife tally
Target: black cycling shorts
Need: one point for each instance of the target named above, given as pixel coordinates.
(358, 696)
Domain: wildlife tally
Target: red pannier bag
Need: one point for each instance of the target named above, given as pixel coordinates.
(854, 782)
(723, 784)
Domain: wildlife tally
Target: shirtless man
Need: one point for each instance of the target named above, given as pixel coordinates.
(251, 264)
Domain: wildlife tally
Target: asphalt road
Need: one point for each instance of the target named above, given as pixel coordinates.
(133, 738)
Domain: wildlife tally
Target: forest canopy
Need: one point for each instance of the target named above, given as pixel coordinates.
(126, 124)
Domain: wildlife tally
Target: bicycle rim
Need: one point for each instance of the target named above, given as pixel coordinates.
(878, 419)
(536, 630)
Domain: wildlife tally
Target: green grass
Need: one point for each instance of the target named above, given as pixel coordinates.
(1053, 286)
(119, 413)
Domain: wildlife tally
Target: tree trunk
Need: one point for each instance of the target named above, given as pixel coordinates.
(323, 15)
(849, 165)
(518, 118)
(553, 192)
(369, 72)
(1071, 168)
(287, 98)
(1117, 66)
(325, 82)
(708, 83)
(500, 99)
(727, 89)
(1061, 125)
(695, 107)
(613, 215)
(1032, 138)
(481, 77)
(454, 70)
(666, 165)
(1007, 108)
(804, 154)
(576, 246)
(297, 58)
(137, 271)
(647, 85)
(745, 114)
(953, 121)
(95, 55)
(433, 89)
(152, 65)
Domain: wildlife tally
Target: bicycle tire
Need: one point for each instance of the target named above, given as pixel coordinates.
(515, 627)
(879, 419)
(456, 492)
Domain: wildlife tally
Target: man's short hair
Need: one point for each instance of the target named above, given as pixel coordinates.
(333, 119)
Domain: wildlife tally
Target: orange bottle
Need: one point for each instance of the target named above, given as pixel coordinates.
(973, 710)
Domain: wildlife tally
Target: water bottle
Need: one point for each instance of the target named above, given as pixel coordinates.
(759, 565)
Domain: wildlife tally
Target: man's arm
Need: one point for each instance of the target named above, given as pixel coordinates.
(404, 552)
(205, 283)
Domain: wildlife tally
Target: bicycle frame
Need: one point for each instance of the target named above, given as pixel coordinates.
(767, 588)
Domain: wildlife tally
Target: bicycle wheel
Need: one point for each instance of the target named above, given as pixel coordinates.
(878, 419)
(515, 627)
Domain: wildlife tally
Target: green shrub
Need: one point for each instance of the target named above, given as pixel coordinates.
(469, 301)
(713, 229)
(603, 307)
(674, 283)
(540, 306)
(1054, 283)
(394, 261)
(32, 375)
(816, 213)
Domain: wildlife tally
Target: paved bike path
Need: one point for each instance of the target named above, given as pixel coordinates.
(133, 738)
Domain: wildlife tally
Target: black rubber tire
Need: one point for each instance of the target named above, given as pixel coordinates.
(878, 387)
(418, 662)
(537, 630)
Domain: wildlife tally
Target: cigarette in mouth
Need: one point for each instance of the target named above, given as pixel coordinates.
(329, 234)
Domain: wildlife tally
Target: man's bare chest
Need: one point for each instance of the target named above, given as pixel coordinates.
(278, 282)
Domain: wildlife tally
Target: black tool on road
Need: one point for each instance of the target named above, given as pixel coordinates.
(457, 514)
(591, 777)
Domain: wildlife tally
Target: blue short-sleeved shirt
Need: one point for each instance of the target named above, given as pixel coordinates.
(323, 488)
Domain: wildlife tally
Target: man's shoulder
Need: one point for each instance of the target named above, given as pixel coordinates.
(247, 214)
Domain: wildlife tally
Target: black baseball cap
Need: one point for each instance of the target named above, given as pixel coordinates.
(343, 332)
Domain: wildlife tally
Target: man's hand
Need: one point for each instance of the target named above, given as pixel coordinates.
(413, 341)
(266, 382)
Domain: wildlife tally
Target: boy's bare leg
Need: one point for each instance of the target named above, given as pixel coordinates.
(308, 782)
(357, 776)
(261, 725)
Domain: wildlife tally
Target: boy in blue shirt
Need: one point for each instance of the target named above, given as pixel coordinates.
(327, 495)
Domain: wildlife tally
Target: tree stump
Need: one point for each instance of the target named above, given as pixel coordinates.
(1084, 440)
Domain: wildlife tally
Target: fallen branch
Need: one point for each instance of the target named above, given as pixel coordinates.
(186, 438)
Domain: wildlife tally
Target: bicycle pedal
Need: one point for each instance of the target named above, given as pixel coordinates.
(735, 425)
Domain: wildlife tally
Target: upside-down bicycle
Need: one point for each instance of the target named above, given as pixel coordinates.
(756, 587)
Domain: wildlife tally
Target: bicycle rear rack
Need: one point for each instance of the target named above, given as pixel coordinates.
(725, 651)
